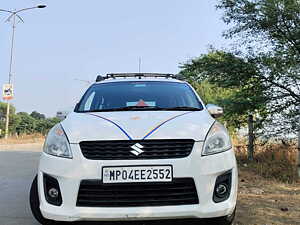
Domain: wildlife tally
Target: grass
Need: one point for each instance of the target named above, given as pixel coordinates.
(272, 161)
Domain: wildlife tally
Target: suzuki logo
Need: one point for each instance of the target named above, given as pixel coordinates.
(137, 149)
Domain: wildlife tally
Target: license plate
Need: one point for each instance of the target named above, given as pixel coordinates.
(137, 174)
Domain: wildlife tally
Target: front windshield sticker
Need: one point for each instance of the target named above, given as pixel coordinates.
(141, 103)
(140, 85)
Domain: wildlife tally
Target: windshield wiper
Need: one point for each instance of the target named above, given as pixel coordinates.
(146, 108)
(128, 108)
(182, 108)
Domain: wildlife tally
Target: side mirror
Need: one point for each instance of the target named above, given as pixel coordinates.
(214, 110)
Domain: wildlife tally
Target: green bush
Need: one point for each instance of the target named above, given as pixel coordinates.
(24, 123)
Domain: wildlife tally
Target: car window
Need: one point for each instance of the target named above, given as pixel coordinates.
(89, 101)
(141, 95)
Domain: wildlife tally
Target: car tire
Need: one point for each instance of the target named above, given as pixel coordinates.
(35, 204)
(224, 220)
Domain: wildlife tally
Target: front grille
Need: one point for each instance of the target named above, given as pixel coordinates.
(93, 193)
(121, 150)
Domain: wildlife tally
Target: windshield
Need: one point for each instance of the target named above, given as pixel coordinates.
(139, 95)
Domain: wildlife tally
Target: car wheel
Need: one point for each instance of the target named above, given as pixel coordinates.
(225, 220)
(35, 204)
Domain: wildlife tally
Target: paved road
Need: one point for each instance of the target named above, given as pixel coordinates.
(17, 169)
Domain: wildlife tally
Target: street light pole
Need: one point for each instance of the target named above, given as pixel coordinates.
(12, 48)
(10, 73)
(13, 15)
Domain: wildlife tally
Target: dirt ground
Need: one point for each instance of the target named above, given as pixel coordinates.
(266, 202)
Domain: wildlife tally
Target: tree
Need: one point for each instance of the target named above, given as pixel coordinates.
(233, 87)
(23, 123)
(37, 115)
(212, 94)
(44, 125)
(12, 110)
(270, 30)
(26, 125)
(3, 107)
(275, 22)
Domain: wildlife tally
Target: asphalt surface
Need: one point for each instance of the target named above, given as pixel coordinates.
(17, 170)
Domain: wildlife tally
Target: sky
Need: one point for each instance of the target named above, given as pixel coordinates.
(71, 40)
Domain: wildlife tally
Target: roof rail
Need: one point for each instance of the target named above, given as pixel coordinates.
(136, 75)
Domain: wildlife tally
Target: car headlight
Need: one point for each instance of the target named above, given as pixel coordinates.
(57, 143)
(217, 140)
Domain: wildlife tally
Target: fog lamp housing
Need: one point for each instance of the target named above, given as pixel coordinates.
(52, 190)
(223, 187)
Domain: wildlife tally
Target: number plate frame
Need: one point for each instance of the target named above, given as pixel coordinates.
(106, 178)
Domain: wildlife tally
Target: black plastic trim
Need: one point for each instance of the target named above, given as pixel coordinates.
(225, 178)
(121, 149)
(181, 191)
(51, 182)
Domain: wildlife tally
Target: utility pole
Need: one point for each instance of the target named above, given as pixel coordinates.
(13, 15)
(10, 74)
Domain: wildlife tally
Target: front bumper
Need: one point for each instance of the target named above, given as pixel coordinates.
(204, 171)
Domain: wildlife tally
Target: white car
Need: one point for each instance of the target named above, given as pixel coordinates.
(137, 147)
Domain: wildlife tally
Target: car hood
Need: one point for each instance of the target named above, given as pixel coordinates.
(137, 125)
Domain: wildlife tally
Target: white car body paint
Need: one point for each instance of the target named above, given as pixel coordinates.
(137, 124)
